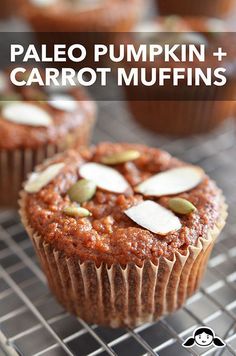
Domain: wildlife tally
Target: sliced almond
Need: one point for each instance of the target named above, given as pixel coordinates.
(63, 102)
(148, 32)
(104, 177)
(150, 26)
(42, 3)
(26, 114)
(188, 38)
(154, 217)
(39, 180)
(215, 25)
(173, 181)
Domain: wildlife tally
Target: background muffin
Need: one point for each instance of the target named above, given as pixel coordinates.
(34, 125)
(202, 108)
(82, 16)
(98, 21)
(121, 243)
(7, 9)
(216, 8)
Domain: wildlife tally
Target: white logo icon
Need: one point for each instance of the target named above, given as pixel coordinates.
(204, 337)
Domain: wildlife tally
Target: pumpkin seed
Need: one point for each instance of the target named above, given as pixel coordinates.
(121, 157)
(181, 206)
(76, 211)
(82, 191)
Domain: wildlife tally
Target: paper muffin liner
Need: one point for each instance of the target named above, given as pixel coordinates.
(181, 118)
(119, 296)
(216, 8)
(17, 163)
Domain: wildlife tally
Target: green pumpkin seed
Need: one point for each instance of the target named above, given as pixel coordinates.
(76, 211)
(82, 191)
(181, 206)
(120, 157)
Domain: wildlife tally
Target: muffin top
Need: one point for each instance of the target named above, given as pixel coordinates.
(172, 30)
(33, 116)
(84, 15)
(76, 5)
(120, 203)
(72, 6)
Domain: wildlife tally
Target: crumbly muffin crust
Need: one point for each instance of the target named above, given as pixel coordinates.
(109, 236)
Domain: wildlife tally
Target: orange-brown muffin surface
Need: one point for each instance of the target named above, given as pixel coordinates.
(108, 234)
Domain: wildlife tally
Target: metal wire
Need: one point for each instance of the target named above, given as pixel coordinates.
(46, 329)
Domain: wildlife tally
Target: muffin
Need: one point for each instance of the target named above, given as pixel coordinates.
(184, 110)
(34, 125)
(97, 21)
(216, 8)
(7, 9)
(123, 232)
(82, 15)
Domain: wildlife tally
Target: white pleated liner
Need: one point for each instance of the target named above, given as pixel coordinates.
(14, 167)
(115, 296)
(16, 164)
(180, 118)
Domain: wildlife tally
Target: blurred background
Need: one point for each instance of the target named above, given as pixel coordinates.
(32, 323)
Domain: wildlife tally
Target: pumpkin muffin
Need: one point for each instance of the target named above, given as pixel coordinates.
(7, 9)
(184, 110)
(34, 125)
(97, 21)
(82, 15)
(216, 8)
(123, 232)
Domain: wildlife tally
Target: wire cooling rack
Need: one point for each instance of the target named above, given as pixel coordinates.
(32, 323)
